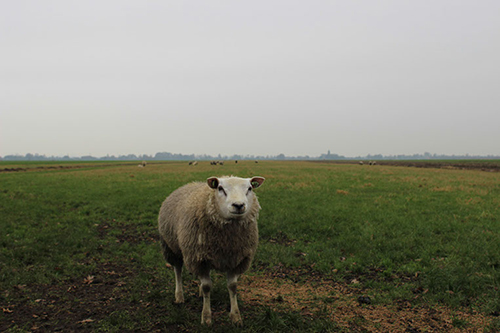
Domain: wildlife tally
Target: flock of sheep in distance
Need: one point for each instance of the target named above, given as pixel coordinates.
(214, 162)
(194, 163)
(144, 163)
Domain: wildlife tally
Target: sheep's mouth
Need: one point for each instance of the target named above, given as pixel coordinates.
(238, 213)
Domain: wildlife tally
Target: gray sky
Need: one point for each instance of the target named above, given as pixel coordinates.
(249, 77)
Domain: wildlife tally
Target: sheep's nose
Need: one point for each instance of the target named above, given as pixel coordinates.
(239, 206)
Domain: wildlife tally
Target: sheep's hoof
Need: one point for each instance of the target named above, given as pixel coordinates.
(206, 321)
(236, 319)
(179, 299)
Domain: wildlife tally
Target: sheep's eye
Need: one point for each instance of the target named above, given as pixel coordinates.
(221, 190)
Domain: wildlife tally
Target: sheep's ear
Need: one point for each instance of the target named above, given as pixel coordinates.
(213, 182)
(256, 181)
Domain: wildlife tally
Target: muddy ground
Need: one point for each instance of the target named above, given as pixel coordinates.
(60, 167)
(81, 303)
(487, 166)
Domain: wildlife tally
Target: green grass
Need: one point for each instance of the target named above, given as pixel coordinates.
(395, 229)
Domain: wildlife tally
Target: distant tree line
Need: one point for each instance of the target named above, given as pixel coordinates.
(166, 156)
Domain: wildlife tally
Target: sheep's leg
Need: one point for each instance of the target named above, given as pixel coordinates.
(179, 292)
(232, 283)
(206, 285)
(175, 260)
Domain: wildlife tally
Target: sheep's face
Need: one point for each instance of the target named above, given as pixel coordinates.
(234, 196)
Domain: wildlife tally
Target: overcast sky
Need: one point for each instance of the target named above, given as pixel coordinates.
(249, 77)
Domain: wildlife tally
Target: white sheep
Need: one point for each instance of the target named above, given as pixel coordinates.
(209, 227)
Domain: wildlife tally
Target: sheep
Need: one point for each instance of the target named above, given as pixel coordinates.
(209, 227)
(361, 163)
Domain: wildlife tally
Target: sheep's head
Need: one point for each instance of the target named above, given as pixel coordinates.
(234, 196)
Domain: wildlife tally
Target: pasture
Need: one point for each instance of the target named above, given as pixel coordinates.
(343, 247)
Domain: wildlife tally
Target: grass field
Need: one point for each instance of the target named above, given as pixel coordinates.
(342, 248)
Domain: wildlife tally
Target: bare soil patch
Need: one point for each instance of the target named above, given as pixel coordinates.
(76, 305)
(80, 303)
(452, 165)
(63, 167)
(73, 305)
(350, 307)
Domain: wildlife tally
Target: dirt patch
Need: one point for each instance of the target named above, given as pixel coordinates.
(58, 167)
(451, 165)
(481, 166)
(72, 166)
(351, 308)
(68, 306)
(84, 303)
(78, 305)
(12, 169)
